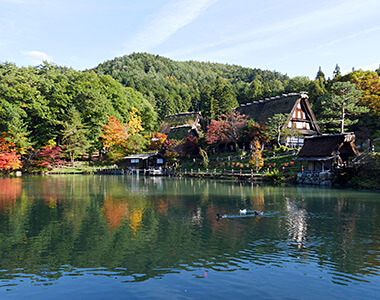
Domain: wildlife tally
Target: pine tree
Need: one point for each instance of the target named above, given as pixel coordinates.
(337, 72)
(320, 75)
(74, 136)
(341, 105)
(225, 98)
(276, 126)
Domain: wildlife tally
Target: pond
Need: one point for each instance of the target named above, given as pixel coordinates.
(98, 237)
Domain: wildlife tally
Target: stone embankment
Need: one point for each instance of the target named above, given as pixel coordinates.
(316, 178)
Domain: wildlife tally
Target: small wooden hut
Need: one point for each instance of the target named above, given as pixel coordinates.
(328, 152)
(295, 106)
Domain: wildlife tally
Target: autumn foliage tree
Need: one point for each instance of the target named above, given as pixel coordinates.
(49, 156)
(369, 83)
(227, 129)
(9, 159)
(122, 139)
(157, 140)
(191, 146)
(255, 132)
(257, 160)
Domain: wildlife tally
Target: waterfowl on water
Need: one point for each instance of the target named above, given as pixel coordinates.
(218, 216)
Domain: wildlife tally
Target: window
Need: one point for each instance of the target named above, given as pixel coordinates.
(160, 161)
(134, 161)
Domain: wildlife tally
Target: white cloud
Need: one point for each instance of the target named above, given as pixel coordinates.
(37, 57)
(284, 31)
(167, 22)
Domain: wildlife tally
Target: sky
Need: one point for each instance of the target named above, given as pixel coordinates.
(292, 37)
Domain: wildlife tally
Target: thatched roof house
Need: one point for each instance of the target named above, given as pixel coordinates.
(294, 105)
(329, 151)
(179, 126)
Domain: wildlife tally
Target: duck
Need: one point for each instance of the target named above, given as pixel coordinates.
(218, 217)
(243, 211)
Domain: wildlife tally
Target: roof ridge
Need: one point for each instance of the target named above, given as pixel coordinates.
(278, 97)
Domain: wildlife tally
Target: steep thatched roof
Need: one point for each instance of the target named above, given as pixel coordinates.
(328, 145)
(262, 110)
(181, 132)
(185, 118)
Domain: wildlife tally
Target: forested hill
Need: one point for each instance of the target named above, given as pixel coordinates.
(174, 87)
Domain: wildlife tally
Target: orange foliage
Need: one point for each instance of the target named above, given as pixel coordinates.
(10, 190)
(157, 141)
(9, 160)
(115, 212)
(115, 134)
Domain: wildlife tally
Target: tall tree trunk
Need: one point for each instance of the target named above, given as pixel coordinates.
(342, 122)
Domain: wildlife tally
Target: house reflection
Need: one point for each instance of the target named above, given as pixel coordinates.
(296, 223)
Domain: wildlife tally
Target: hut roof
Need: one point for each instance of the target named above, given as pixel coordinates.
(142, 156)
(181, 132)
(185, 118)
(328, 145)
(262, 110)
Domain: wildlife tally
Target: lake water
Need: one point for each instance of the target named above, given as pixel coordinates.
(97, 237)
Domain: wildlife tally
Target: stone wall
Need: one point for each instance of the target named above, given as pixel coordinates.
(315, 178)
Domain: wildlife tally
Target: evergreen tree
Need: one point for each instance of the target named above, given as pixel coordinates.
(207, 104)
(341, 105)
(74, 136)
(320, 75)
(276, 127)
(337, 72)
(225, 98)
(255, 90)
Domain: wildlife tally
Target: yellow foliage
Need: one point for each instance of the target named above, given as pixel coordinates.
(257, 159)
(134, 122)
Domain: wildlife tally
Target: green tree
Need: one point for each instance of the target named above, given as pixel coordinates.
(74, 136)
(340, 106)
(224, 98)
(297, 84)
(276, 127)
(337, 72)
(255, 90)
(207, 104)
(320, 75)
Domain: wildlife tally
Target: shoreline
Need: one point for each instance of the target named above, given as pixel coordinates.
(262, 179)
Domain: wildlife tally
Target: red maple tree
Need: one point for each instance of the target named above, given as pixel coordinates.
(9, 159)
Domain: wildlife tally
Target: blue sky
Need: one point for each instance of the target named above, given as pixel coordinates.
(289, 36)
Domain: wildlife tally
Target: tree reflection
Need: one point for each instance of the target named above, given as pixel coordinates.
(152, 227)
(10, 190)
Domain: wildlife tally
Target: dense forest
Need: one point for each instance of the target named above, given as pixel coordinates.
(37, 102)
(174, 87)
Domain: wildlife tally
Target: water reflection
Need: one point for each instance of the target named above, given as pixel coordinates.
(141, 228)
(297, 223)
